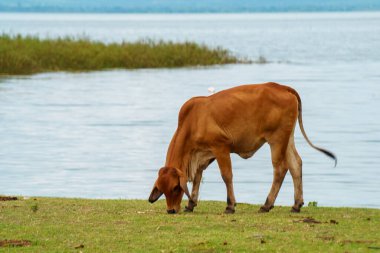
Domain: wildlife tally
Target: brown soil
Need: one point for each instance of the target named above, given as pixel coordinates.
(15, 243)
(80, 246)
(326, 238)
(7, 198)
(358, 241)
(308, 220)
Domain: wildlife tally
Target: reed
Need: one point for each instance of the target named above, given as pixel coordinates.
(29, 54)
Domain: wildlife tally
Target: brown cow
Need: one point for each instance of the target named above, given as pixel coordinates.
(237, 120)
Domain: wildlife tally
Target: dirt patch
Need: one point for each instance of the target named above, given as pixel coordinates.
(357, 241)
(327, 238)
(80, 246)
(15, 243)
(7, 198)
(314, 221)
(308, 220)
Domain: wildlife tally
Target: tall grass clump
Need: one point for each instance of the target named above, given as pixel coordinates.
(28, 54)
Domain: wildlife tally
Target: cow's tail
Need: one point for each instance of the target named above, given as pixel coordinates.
(326, 152)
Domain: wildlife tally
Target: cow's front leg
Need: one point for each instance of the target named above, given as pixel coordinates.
(224, 161)
(195, 191)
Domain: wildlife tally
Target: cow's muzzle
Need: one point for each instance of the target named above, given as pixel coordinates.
(173, 211)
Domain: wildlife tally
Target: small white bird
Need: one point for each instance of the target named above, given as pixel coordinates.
(211, 90)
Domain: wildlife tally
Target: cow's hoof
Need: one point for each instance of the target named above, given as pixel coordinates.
(265, 209)
(295, 210)
(188, 210)
(229, 210)
(172, 211)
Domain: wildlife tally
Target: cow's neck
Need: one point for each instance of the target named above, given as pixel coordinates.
(179, 154)
(186, 156)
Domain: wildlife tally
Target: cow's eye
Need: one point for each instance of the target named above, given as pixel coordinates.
(177, 189)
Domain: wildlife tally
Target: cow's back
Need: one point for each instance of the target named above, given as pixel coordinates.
(243, 117)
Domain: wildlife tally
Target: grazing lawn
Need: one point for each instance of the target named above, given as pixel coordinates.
(83, 225)
(28, 55)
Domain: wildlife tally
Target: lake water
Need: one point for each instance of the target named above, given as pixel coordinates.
(105, 134)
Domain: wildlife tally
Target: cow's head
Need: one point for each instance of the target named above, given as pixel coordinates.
(173, 184)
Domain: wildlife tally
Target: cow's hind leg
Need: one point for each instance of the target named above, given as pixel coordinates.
(278, 152)
(295, 168)
(224, 161)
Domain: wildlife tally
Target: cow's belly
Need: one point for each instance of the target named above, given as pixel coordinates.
(199, 160)
(246, 147)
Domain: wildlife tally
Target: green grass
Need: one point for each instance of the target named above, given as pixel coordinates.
(62, 225)
(27, 55)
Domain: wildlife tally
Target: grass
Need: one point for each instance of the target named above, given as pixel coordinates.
(28, 55)
(82, 225)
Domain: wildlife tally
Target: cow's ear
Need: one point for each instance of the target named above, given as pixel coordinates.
(155, 195)
(183, 184)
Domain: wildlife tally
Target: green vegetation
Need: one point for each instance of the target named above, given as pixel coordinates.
(74, 225)
(27, 55)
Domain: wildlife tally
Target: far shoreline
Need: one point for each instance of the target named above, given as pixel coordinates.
(10, 197)
(31, 54)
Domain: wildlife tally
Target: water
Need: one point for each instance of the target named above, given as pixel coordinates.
(105, 134)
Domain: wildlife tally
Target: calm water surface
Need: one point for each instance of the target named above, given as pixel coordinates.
(105, 134)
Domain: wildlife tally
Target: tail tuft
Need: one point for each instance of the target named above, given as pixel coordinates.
(329, 154)
(326, 152)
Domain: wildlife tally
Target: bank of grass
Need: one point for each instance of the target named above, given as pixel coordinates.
(74, 225)
(27, 55)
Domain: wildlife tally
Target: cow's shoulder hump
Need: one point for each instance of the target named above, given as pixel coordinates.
(189, 106)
